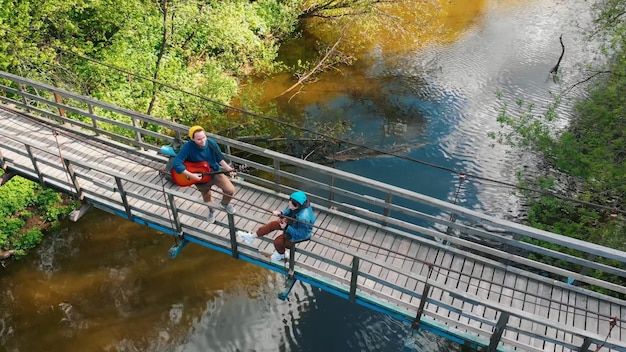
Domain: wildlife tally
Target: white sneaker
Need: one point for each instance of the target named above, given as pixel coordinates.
(211, 216)
(277, 257)
(229, 208)
(246, 236)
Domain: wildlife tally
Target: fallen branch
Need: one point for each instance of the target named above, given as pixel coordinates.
(555, 69)
(316, 68)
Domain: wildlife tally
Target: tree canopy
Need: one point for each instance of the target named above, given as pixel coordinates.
(203, 47)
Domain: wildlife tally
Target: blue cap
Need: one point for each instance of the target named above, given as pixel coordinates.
(299, 197)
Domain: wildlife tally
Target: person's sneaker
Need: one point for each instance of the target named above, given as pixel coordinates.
(229, 208)
(277, 257)
(211, 217)
(246, 236)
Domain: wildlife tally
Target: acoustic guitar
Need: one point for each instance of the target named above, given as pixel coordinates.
(199, 168)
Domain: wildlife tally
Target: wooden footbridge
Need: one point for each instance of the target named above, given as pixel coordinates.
(387, 248)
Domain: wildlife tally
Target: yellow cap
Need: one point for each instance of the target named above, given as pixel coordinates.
(194, 129)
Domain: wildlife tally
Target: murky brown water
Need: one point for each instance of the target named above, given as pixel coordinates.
(104, 284)
(107, 284)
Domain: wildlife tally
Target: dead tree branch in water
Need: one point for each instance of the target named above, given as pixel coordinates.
(321, 66)
(342, 8)
(585, 80)
(555, 69)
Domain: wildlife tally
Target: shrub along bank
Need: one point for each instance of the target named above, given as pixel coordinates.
(26, 211)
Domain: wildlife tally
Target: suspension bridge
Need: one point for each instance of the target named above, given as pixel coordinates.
(389, 249)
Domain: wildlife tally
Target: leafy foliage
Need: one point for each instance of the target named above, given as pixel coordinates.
(204, 47)
(22, 201)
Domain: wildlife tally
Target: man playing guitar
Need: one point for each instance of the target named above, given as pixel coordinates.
(198, 149)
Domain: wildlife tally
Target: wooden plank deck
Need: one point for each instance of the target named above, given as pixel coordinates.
(469, 292)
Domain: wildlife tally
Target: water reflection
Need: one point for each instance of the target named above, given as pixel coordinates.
(105, 284)
(440, 100)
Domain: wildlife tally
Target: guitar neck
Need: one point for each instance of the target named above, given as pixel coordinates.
(216, 172)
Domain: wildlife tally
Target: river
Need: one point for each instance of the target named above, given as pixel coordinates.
(104, 284)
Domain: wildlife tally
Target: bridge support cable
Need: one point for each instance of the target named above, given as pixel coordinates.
(612, 324)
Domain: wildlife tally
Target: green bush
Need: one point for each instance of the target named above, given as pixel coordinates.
(21, 200)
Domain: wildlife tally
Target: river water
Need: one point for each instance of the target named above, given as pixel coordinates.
(104, 284)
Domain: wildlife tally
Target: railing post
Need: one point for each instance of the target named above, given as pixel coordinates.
(497, 333)
(133, 119)
(174, 209)
(292, 260)
(585, 346)
(3, 163)
(386, 211)
(94, 122)
(233, 236)
(118, 181)
(353, 278)
(32, 159)
(20, 88)
(276, 175)
(331, 193)
(70, 171)
(291, 279)
(59, 100)
(420, 309)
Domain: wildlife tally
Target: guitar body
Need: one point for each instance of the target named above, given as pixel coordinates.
(200, 167)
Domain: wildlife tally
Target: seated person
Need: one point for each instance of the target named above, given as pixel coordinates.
(296, 221)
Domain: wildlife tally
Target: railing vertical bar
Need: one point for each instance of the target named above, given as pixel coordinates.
(32, 159)
(420, 309)
(3, 163)
(133, 119)
(174, 213)
(386, 211)
(497, 333)
(292, 260)
(59, 100)
(70, 171)
(276, 175)
(118, 181)
(331, 192)
(585, 346)
(94, 122)
(20, 88)
(353, 278)
(233, 236)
